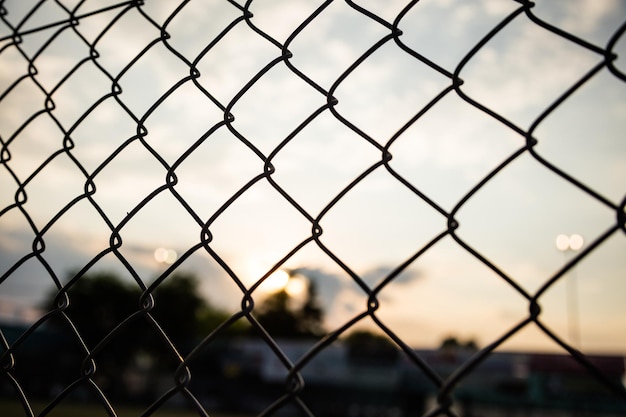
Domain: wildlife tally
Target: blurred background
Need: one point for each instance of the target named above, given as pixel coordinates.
(324, 161)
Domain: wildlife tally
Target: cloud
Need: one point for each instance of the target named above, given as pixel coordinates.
(279, 18)
(587, 17)
(339, 293)
(67, 253)
(378, 224)
(523, 70)
(444, 32)
(406, 277)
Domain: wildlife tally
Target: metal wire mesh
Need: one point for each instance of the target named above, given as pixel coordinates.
(67, 20)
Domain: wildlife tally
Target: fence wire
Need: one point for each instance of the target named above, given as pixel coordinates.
(73, 19)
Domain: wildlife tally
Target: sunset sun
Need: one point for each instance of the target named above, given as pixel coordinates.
(277, 281)
(281, 280)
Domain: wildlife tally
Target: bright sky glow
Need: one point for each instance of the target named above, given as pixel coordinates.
(277, 281)
(296, 286)
(512, 221)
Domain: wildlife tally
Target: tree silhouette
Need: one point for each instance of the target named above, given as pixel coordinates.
(451, 342)
(97, 304)
(367, 347)
(311, 314)
(280, 317)
(106, 314)
(277, 317)
(101, 301)
(178, 307)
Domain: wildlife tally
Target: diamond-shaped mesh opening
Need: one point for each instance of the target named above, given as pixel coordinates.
(325, 65)
(513, 206)
(398, 99)
(68, 184)
(158, 216)
(61, 55)
(11, 59)
(190, 36)
(263, 246)
(30, 149)
(388, 245)
(537, 78)
(117, 201)
(116, 49)
(263, 113)
(66, 232)
(100, 133)
(219, 167)
(139, 90)
(312, 209)
(321, 147)
(196, 115)
(16, 108)
(574, 122)
(81, 91)
(444, 160)
(224, 82)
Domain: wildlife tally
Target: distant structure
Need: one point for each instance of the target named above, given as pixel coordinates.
(245, 375)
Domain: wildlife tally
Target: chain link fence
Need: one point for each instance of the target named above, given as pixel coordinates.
(132, 67)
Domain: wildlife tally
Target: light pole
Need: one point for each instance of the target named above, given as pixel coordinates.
(565, 243)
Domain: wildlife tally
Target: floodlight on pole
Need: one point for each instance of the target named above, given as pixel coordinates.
(565, 243)
(165, 256)
(572, 242)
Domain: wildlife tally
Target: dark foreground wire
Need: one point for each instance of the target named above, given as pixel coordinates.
(295, 382)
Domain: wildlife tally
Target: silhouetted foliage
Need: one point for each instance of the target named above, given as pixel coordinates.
(97, 304)
(281, 318)
(184, 314)
(451, 342)
(178, 307)
(311, 315)
(365, 346)
(276, 317)
(100, 302)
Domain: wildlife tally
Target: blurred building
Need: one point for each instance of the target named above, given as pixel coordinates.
(247, 376)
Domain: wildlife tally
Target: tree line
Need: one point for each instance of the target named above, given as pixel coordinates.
(105, 313)
(101, 301)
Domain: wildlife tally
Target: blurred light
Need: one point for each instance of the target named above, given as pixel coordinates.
(572, 242)
(562, 242)
(165, 256)
(277, 281)
(296, 286)
(576, 242)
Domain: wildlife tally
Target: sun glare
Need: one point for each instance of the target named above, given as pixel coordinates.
(276, 282)
(296, 286)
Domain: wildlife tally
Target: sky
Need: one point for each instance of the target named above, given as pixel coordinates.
(380, 223)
